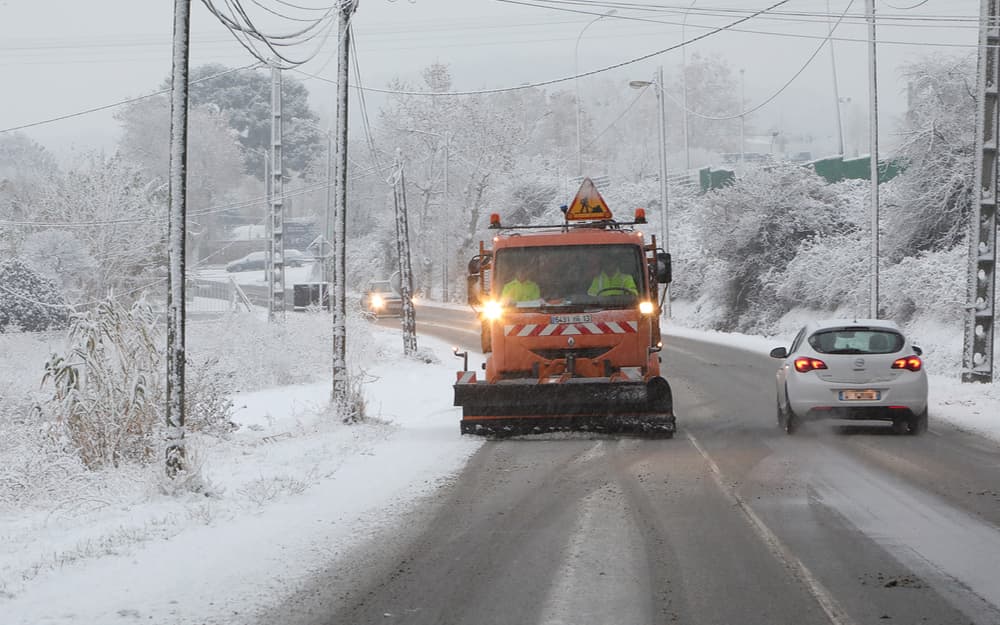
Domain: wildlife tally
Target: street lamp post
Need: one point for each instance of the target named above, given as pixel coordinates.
(743, 100)
(836, 88)
(684, 86)
(576, 83)
(657, 82)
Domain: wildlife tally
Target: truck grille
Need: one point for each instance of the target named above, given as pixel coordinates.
(589, 353)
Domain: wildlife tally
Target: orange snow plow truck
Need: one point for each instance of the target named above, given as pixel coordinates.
(570, 328)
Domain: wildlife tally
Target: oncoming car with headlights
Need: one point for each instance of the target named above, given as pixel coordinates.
(852, 369)
(381, 299)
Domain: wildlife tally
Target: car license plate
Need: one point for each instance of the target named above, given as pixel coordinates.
(865, 395)
(570, 319)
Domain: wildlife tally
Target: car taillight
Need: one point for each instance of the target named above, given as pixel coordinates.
(804, 365)
(911, 363)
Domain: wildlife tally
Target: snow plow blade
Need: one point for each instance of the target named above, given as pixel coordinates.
(517, 407)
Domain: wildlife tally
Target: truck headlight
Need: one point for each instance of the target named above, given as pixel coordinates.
(646, 308)
(377, 301)
(492, 310)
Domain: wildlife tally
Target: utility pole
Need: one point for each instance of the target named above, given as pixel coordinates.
(977, 357)
(446, 256)
(325, 243)
(340, 375)
(873, 148)
(276, 253)
(403, 252)
(176, 460)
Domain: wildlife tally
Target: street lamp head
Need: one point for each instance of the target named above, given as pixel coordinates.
(639, 84)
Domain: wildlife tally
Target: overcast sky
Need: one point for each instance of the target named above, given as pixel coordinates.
(63, 56)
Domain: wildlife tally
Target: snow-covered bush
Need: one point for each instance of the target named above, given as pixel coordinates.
(755, 227)
(827, 273)
(208, 404)
(931, 285)
(107, 387)
(28, 301)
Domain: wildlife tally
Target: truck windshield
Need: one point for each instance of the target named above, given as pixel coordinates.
(569, 277)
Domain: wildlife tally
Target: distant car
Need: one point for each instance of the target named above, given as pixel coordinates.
(380, 298)
(253, 260)
(852, 369)
(258, 260)
(295, 258)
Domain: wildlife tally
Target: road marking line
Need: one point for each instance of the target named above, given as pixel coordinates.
(823, 597)
(447, 327)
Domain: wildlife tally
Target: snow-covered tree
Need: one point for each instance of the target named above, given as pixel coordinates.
(926, 208)
(244, 98)
(61, 257)
(26, 171)
(215, 159)
(108, 203)
(474, 138)
(712, 91)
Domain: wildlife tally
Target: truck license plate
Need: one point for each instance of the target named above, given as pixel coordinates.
(570, 319)
(865, 395)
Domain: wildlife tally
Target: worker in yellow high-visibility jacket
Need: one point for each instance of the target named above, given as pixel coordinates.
(613, 282)
(520, 289)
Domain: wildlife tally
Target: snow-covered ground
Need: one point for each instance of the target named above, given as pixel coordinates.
(288, 492)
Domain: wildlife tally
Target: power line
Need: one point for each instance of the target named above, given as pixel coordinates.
(534, 3)
(121, 103)
(575, 76)
(366, 124)
(617, 119)
(780, 90)
(243, 29)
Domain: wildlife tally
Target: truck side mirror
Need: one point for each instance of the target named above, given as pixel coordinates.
(663, 269)
(472, 292)
(479, 263)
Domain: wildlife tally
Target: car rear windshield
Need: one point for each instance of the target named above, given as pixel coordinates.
(856, 341)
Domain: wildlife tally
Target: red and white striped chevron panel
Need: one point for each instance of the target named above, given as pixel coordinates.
(570, 329)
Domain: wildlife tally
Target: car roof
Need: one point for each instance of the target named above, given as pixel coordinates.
(830, 324)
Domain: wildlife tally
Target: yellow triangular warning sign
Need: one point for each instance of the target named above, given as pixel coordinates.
(588, 203)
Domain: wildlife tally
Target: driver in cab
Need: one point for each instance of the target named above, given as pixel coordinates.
(611, 281)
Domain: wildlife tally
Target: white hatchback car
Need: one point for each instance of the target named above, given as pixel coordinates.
(852, 369)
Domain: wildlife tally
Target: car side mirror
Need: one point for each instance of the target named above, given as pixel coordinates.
(917, 350)
(779, 352)
(664, 272)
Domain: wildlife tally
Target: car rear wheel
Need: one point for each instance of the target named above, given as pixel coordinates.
(913, 424)
(918, 424)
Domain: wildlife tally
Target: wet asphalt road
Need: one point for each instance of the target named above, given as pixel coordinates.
(731, 522)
